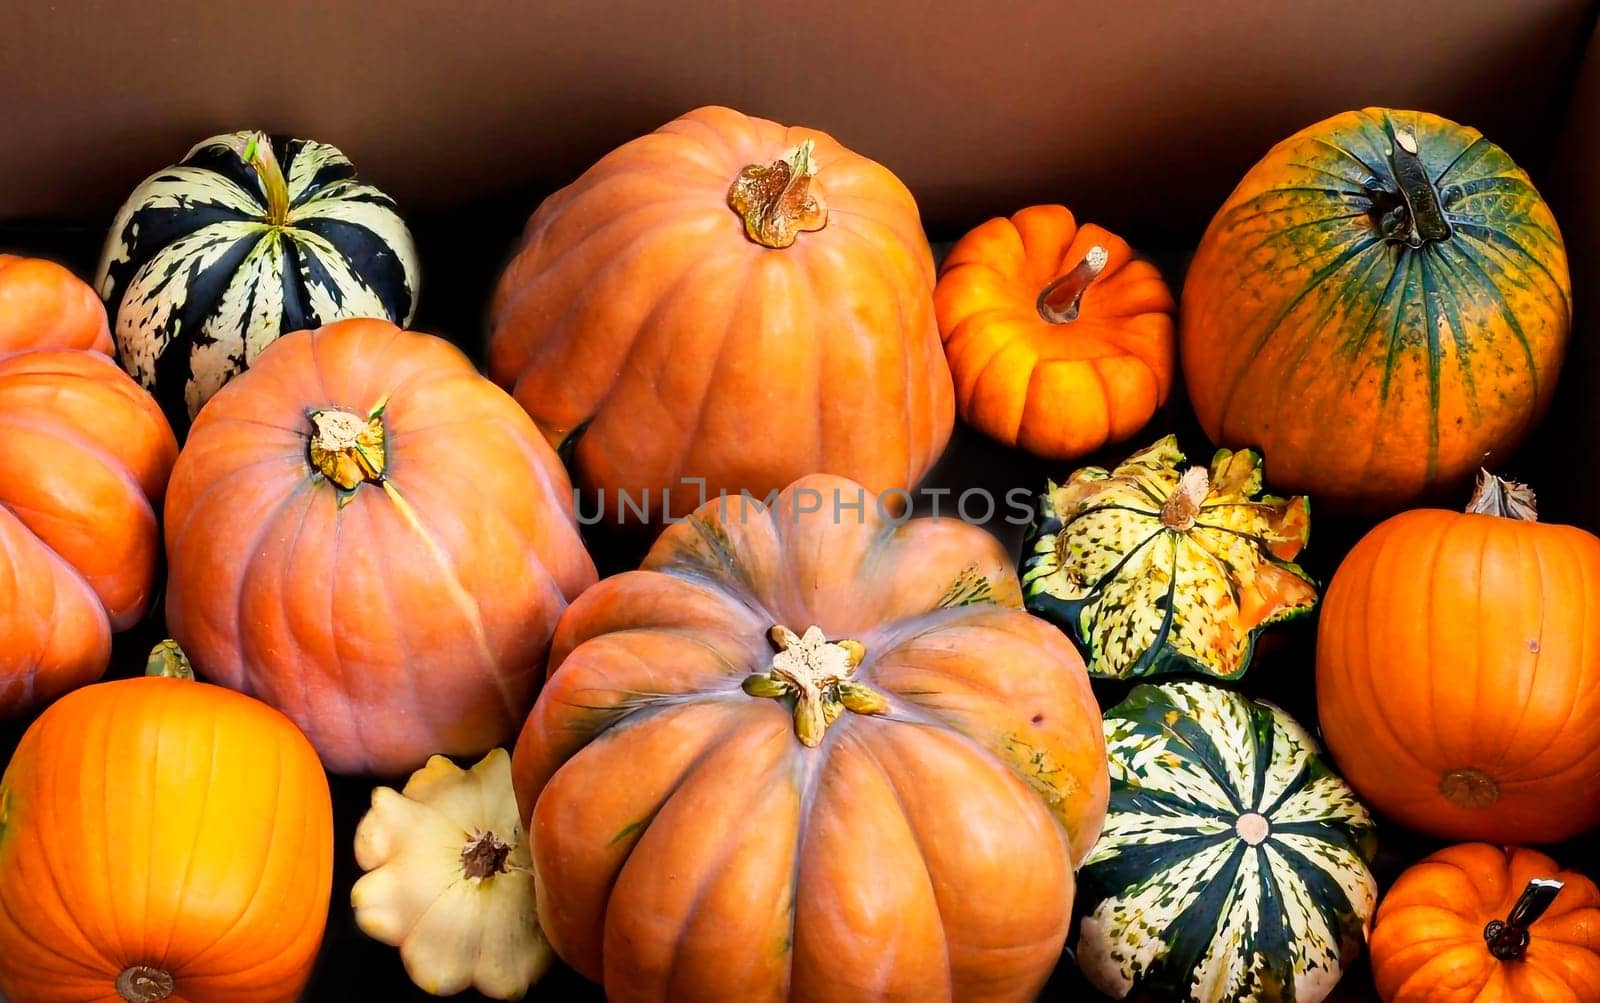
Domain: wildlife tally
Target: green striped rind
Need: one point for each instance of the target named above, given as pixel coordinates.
(198, 279)
(1140, 599)
(1177, 904)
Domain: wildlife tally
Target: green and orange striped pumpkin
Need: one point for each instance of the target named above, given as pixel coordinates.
(1380, 307)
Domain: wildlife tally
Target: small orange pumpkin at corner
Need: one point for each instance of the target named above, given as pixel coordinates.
(162, 838)
(1481, 922)
(1059, 339)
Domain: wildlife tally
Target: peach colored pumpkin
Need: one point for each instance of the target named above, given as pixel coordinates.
(808, 754)
(84, 464)
(368, 535)
(730, 299)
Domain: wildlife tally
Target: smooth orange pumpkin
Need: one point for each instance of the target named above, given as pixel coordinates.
(807, 753)
(727, 299)
(42, 305)
(1476, 923)
(1458, 678)
(374, 539)
(83, 468)
(162, 839)
(1059, 339)
(1380, 307)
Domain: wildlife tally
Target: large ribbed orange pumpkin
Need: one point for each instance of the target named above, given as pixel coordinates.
(1458, 674)
(162, 839)
(809, 754)
(727, 299)
(1380, 307)
(368, 535)
(84, 459)
(1487, 924)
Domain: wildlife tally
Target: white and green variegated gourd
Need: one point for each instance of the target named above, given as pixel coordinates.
(248, 238)
(1233, 865)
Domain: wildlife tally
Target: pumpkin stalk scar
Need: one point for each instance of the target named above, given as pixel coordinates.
(1419, 217)
(1469, 787)
(1508, 938)
(778, 201)
(484, 856)
(1506, 499)
(256, 150)
(144, 984)
(1182, 507)
(348, 449)
(1060, 301)
(168, 659)
(815, 672)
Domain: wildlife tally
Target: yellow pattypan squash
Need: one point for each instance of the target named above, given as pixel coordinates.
(450, 882)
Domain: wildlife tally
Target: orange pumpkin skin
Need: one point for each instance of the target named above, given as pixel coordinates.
(1458, 682)
(640, 318)
(42, 305)
(1059, 383)
(1369, 372)
(403, 616)
(82, 473)
(168, 824)
(687, 845)
(1428, 944)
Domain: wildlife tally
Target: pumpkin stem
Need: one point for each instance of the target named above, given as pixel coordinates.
(1182, 507)
(348, 449)
(256, 150)
(1508, 938)
(1059, 301)
(1418, 217)
(167, 659)
(485, 856)
(144, 984)
(777, 201)
(1507, 499)
(815, 672)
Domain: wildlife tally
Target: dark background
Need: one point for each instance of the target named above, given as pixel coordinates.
(1140, 118)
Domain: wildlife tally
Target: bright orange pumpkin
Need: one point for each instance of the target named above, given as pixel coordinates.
(83, 468)
(374, 539)
(1458, 679)
(1479, 923)
(42, 305)
(806, 753)
(727, 299)
(161, 839)
(1380, 307)
(1059, 339)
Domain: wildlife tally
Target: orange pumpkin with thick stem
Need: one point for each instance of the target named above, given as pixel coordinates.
(368, 535)
(1059, 339)
(82, 471)
(162, 839)
(1478, 923)
(1380, 307)
(1458, 678)
(808, 753)
(732, 300)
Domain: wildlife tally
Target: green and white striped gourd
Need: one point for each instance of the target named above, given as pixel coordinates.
(247, 238)
(1233, 865)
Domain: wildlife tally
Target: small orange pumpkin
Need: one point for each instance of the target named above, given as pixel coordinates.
(83, 469)
(1480, 923)
(1060, 340)
(162, 839)
(1458, 678)
(371, 537)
